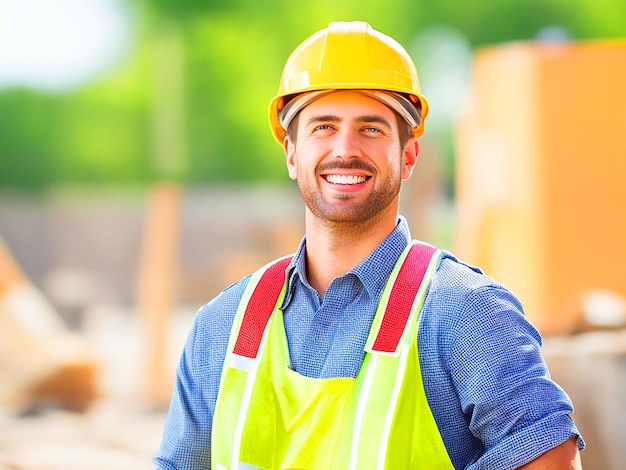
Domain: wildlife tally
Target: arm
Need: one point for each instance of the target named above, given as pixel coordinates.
(186, 440)
(186, 436)
(563, 457)
(505, 390)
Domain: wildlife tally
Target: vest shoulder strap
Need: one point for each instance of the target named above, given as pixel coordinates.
(397, 311)
(260, 307)
(402, 297)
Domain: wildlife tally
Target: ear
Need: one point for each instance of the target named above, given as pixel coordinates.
(290, 155)
(411, 152)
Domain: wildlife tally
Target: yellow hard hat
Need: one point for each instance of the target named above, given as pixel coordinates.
(348, 56)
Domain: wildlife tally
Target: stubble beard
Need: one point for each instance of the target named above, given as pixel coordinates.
(344, 210)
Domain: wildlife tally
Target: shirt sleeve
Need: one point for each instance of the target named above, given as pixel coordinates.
(504, 388)
(186, 442)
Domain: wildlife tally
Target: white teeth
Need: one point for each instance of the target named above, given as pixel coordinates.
(345, 179)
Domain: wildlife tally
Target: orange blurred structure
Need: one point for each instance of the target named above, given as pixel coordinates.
(156, 288)
(540, 176)
(42, 362)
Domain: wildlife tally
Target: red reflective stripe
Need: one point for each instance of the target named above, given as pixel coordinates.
(260, 308)
(402, 296)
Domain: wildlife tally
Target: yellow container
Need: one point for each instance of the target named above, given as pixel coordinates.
(541, 174)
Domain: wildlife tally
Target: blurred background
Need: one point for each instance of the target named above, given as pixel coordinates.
(138, 178)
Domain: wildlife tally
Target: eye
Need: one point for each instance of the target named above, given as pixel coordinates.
(322, 129)
(371, 130)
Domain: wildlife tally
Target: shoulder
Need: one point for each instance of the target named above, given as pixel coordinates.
(461, 292)
(452, 272)
(213, 321)
(224, 305)
(464, 307)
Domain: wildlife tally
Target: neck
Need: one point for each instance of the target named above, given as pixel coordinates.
(333, 249)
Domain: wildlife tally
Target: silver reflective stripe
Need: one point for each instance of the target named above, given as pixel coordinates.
(246, 466)
(384, 441)
(360, 411)
(240, 362)
(243, 411)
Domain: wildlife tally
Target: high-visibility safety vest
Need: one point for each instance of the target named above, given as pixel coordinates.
(268, 416)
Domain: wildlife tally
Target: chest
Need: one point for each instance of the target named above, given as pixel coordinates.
(326, 337)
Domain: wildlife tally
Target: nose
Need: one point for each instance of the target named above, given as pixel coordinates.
(346, 144)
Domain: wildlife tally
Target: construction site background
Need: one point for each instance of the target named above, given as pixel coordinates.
(98, 287)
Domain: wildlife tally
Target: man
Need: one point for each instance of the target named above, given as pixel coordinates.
(364, 350)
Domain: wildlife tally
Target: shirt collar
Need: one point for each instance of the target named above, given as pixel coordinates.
(373, 272)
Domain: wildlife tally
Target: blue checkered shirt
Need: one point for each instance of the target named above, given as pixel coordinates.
(485, 379)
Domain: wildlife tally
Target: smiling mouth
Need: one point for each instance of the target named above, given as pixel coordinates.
(345, 179)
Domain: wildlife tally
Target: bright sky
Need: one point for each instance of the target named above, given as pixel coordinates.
(55, 45)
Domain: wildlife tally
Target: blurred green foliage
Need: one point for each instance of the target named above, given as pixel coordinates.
(189, 101)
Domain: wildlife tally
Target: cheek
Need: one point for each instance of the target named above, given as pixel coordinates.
(301, 163)
(394, 161)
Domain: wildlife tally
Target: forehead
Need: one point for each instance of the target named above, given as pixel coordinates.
(348, 104)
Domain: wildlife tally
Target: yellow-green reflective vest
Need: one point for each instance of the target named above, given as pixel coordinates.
(268, 416)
